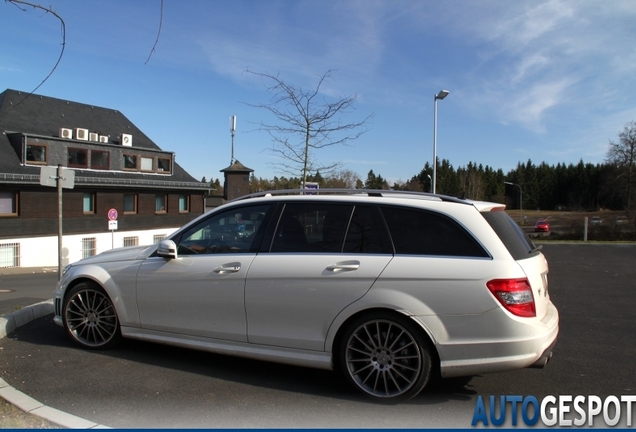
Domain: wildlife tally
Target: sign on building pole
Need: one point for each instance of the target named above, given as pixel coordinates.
(112, 224)
(62, 178)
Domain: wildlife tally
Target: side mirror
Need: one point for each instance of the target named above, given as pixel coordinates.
(167, 249)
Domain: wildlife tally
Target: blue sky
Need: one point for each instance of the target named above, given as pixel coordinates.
(551, 81)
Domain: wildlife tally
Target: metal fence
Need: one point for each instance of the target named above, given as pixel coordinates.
(89, 247)
(9, 255)
(131, 241)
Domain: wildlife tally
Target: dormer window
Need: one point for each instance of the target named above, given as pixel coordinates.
(146, 164)
(164, 165)
(77, 158)
(36, 154)
(130, 162)
(91, 155)
(100, 159)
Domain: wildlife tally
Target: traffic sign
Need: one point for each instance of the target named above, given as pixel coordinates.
(48, 177)
(112, 214)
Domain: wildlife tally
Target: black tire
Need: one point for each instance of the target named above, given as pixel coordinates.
(90, 317)
(385, 356)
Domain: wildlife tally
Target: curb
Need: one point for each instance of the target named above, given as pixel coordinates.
(9, 323)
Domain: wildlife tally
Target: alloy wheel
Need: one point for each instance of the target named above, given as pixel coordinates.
(384, 359)
(91, 318)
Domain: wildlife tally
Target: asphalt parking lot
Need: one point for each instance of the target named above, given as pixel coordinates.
(147, 385)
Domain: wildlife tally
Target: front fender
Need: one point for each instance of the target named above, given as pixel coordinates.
(119, 282)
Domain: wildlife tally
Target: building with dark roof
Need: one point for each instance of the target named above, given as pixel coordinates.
(115, 166)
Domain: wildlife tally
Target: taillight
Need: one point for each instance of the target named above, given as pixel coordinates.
(515, 295)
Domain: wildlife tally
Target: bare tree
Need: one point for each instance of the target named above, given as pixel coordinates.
(342, 179)
(623, 155)
(308, 123)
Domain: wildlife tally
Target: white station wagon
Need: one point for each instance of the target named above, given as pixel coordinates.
(391, 288)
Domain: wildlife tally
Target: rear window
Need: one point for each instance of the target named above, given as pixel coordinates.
(420, 232)
(512, 236)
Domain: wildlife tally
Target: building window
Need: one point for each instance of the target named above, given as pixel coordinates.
(89, 247)
(100, 159)
(164, 165)
(184, 203)
(130, 162)
(157, 238)
(130, 203)
(8, 203)
(161, 203)
(146, 163)
(89, 203)
(9, 255)
(77, 158)
(36, 154)
(131, 241)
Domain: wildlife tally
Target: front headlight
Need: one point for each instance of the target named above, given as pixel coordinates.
(67, 268)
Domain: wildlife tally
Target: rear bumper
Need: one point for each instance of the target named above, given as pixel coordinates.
(510, 345)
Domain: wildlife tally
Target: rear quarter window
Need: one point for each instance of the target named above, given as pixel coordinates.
(421, 232)
(511, 235)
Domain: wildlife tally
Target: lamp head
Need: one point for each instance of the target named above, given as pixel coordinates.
(442, 94)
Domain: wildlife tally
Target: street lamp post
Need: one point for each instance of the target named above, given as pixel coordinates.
(439, 96)
(520, 198)
(232, 130)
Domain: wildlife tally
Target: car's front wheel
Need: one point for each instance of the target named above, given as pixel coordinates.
(386, 357)
(90, 317)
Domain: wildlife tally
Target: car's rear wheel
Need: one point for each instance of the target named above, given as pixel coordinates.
(386, 357)
(90, 317)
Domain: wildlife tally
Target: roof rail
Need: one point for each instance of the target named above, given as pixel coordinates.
(348, 191)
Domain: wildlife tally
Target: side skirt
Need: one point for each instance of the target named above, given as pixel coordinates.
(312, 359)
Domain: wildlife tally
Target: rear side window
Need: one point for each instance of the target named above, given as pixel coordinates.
(512, 236)
(367, 232)
(421, 232)
(312, 227)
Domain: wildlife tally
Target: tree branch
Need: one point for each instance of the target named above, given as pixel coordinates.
(59, 59)
(158, 33)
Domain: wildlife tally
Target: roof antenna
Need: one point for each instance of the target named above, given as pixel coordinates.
(232, 129)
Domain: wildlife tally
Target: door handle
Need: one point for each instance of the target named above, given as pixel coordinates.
(344, 266)
(228, 268)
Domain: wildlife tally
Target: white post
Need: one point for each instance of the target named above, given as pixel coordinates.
(439, 96)
(59, 222)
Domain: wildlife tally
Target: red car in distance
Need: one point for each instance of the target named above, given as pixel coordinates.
(542, 225)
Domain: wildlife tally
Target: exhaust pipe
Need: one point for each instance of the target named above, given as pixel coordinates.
(543, 361)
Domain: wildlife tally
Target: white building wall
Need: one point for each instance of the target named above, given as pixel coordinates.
(42, 251)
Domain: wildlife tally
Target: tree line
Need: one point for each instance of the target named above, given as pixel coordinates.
(581, 186)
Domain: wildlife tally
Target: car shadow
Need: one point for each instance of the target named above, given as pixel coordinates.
(134, 356)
